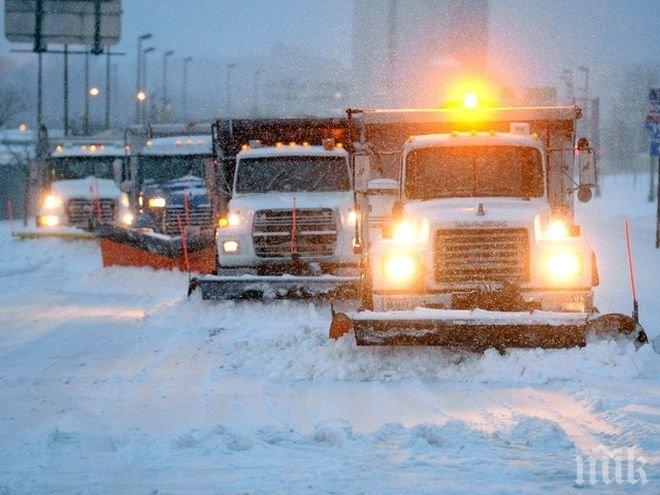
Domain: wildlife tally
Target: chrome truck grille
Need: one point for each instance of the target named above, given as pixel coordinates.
(478, 255)
(197, 217)
(315, 233)
(80, 210)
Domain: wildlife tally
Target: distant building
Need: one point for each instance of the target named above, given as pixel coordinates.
(404, 51)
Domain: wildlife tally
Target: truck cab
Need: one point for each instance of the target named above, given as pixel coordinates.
(79, 185)
(475, 217)
(170, 173)
(291, 206)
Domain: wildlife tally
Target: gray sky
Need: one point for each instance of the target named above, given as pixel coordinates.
(540, 34)
(530, 42)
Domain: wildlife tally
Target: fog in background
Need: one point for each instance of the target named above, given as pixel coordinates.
(296, 57)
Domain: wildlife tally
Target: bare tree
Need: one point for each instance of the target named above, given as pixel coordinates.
(12, 104)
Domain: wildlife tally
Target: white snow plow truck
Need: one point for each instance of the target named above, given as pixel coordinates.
(481, 249)
(289, 225)
(78, 188)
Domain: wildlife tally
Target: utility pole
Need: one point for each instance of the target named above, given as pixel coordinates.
(230, 67)
(165, 100)
(108, 87)
(144, 81)
(184, 88)
(138, 77)
(86, 114)
(66, 90)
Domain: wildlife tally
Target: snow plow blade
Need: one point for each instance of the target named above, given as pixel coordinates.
(54, 232)
(123, 246)
(275, 287)
(479, 330)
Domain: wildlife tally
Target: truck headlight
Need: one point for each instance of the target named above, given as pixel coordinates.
(157, 202)
(233, 219)
(408, 230)
(127, 218)
(49, 220)
(230, 246)
(563, 265)
(401, 268)
(52, 201)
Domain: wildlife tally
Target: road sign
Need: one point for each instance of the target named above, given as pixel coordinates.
(74, 22)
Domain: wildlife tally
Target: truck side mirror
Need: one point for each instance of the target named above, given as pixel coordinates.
(586, 164)
(361, 162)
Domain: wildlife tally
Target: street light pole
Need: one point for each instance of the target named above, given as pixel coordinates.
(138, 78)
(66, 90)
(107, 89)
(166, 55)
(230, 67)
(86, 115)
(184, 89)
(144, 80)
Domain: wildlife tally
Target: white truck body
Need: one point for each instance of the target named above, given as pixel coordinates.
(274, 227)
(69, 202)
(481, 243)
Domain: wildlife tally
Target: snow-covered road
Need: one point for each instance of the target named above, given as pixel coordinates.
(111, 381)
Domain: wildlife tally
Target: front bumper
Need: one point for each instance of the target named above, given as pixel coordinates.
(577, 300)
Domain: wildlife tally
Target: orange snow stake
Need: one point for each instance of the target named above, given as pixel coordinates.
(631, 271)
(184, 243)
(186, 209)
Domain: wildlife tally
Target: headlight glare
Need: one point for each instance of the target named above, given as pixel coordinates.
(401, 268)
(557, 230)
(564, 265)
(127, 218)
(52, 201)
(49, 220)
(411, 230)
(157, 202)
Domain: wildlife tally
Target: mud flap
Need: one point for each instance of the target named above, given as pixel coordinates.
(478, 330)
(275, 287)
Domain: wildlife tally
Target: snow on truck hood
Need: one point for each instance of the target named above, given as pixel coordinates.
(511, 211)
(86, 188)
(284, 200)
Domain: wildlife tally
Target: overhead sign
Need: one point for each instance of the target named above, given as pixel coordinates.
(653, 121)
(74, 22)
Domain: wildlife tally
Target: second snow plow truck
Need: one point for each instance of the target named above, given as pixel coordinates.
(480, 249)
(288, 229)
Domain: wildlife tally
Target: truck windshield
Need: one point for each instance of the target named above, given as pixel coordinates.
(292, 173)
(474, 171)
(79, 167)
(159, 169)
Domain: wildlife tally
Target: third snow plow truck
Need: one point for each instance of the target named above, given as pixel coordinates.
(288, 227)
(480, 249)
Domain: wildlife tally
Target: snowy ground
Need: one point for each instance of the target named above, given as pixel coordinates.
(111, 381)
